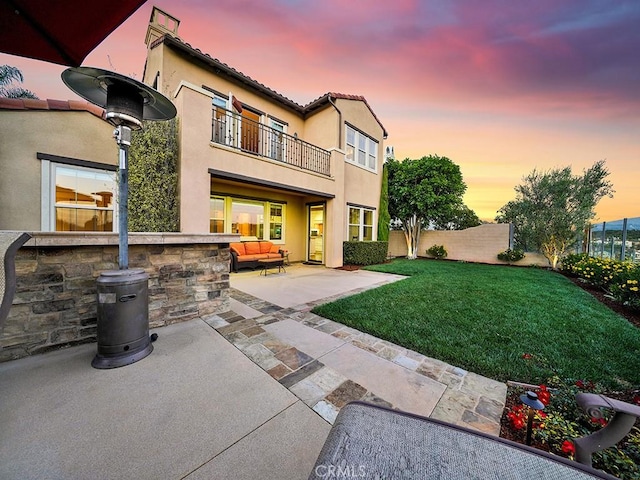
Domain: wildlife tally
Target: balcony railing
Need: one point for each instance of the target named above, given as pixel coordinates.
(248, 135)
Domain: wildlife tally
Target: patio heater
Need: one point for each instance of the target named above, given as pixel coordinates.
(123, 300)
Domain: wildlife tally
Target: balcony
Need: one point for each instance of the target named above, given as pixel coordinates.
(245, 134)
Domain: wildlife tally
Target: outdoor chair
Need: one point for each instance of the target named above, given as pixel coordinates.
(370, 441)
(10, 243)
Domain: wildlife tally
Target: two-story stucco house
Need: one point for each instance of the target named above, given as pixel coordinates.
(254, 162)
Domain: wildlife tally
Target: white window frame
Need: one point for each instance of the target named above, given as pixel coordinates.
(220, 101)
(362, 150)
(273, 142)
(361, 225)
(224, 213)
(48, 196)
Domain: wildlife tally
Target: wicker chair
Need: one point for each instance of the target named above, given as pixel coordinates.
(10, 243)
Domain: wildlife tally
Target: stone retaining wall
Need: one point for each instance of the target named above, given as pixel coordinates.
(55, 300)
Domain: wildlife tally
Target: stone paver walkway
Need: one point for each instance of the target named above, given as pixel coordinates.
(327, 364)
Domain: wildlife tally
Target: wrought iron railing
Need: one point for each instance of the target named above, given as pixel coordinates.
(248, 135)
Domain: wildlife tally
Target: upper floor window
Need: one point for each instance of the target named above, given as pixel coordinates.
(361, 149)
(276, 140)
(242, 127)
(220, 120)
(78, 198)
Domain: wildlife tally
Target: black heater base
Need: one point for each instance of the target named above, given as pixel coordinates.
(120, 360)
(123, 318)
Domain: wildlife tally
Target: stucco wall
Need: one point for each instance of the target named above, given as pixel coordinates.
(188, 82)
(55, 300)
(176, 69)
(74, 134)
(478, 244)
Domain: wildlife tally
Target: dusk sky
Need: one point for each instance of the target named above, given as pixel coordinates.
(500, 86)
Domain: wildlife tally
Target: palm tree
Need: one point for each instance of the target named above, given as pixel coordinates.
(8, 75)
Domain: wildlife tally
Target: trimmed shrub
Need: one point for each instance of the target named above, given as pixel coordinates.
(511, 255)
(364, 253)
(437, 251)
(568, 262)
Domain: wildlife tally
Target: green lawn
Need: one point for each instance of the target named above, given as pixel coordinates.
(484, 318)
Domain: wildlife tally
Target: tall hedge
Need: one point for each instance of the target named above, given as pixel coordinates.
(153, 178)
(384, 219)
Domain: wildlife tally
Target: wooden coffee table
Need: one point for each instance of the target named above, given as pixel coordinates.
(267, 263)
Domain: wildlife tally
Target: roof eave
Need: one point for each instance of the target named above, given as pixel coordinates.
(232, 74)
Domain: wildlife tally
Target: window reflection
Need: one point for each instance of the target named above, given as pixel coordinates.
(84, 199)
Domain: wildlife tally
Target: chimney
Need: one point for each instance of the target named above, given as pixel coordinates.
(160, 24)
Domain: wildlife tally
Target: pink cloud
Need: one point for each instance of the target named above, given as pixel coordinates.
(476, 81)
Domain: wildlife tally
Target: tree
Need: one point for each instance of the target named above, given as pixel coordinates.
(153, 178)
(423, 192)
(463, 218)
(8, 75)
(384, 218)
(552, 208)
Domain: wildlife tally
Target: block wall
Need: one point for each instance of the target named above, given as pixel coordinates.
(478, 244)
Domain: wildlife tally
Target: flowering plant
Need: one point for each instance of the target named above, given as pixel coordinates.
(620, 279)
(562, 421)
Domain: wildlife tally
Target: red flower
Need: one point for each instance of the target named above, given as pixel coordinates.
(580, 384)
(636, 399)
(517, 417)
(598, 421)
(527, 356)
(568, 447)
(517, 423)
(544, 395)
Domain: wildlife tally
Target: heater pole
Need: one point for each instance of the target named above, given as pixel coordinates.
(122, 135)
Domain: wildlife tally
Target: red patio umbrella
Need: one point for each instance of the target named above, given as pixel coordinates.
(63, 32)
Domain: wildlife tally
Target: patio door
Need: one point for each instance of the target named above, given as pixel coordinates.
(315, 250)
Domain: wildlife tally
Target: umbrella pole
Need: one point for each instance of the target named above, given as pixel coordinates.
(122, 135)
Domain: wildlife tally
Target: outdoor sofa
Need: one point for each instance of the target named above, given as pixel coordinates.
(247, 254)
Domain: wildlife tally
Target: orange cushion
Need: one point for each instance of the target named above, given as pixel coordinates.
(252, 248)
(274, 249)
(265, 247)
(238, 248)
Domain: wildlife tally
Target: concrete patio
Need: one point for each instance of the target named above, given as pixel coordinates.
(247, 394)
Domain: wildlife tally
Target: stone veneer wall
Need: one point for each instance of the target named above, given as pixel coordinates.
(55, 301)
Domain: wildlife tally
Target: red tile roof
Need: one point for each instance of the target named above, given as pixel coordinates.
(55, 105)
(223, 68)
(345, 96)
